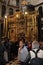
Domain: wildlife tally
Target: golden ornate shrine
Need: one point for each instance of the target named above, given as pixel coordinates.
(19, 25)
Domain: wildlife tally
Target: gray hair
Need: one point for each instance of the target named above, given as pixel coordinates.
(35, 45)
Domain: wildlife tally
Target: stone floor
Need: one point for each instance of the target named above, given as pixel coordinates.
(13, 63)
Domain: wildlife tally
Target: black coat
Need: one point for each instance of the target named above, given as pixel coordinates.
(2, 49)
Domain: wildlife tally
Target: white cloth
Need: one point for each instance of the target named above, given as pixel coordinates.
(35, 44)
(39, 54)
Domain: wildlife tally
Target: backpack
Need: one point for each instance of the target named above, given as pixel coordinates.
(36, 60)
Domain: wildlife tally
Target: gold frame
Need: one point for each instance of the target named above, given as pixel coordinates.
(29, 22)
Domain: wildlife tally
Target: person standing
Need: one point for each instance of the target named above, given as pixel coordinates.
(2, 49)
(22, 53)
(36, 54)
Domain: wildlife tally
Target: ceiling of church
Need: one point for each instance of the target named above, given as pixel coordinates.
(13, 2)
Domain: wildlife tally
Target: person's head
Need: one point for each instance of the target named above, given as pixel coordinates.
(41, 45)
(35, 45)
(21, 43)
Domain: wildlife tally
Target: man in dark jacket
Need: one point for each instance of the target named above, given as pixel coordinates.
(2, 49)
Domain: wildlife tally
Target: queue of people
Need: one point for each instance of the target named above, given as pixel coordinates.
(8, 51)
(27, 53)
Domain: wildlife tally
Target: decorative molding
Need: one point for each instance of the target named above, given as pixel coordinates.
(39, 4)
(13, 6)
